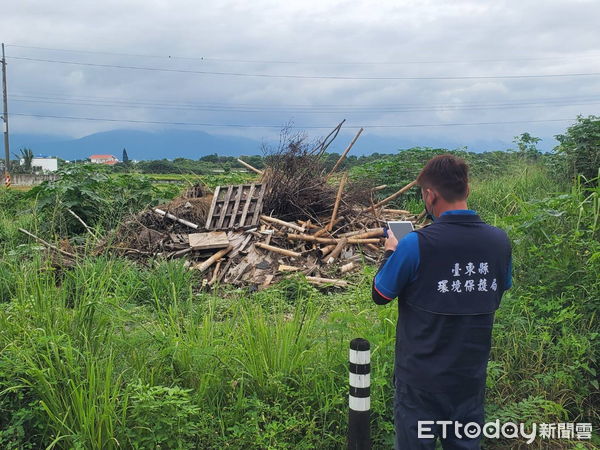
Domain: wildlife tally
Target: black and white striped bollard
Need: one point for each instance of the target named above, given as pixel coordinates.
(359, 432)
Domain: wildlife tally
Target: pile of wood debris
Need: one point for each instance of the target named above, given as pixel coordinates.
(294, 218)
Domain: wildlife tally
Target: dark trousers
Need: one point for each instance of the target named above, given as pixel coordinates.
(412, 405)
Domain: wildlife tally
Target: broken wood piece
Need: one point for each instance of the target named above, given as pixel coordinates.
(338, 199)
(160, 212)
(396, 211)
(286, 268)
(215, 276)
(343, 156)
(281, 251)
(379, 188)
(179, 253)
(337, 250)
(393, 196)
(321, 281)
(248, 166)
(210, 261)
(208, 240)
(242, 246)
(347, 267)
(47, 244)
(267, 281)
(293, 226)
(327, 249)
(238, 271)
(225, 270)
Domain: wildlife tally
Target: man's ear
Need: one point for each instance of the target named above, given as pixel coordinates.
(434, 196)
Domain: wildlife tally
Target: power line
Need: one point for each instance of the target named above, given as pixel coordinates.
(343, 63)
(306, 77)
(118, 101)
(258, 109)
(154, 122)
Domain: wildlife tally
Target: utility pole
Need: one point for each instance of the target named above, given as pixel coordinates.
(5, 117)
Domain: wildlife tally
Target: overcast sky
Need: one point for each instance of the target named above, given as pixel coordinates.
(384, 65)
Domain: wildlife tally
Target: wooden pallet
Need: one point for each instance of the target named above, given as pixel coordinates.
(236, 206)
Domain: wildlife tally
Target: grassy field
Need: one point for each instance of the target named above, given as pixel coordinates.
(114, 354)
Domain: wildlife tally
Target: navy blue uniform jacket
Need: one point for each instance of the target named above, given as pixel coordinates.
(449, 278)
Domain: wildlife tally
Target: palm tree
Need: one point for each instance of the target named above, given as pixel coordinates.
(27, 157)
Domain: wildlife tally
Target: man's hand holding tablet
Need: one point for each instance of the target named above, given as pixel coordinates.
(396, 230)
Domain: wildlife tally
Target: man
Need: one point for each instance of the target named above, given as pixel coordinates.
(449, 278)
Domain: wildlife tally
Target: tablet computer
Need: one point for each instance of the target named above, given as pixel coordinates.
(400, 228)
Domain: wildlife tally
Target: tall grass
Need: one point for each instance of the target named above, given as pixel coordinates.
(112, 354)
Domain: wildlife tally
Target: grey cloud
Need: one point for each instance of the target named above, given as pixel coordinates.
(458, 32)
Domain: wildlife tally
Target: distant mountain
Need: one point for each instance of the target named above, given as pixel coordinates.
(172, 144)
(139, 144)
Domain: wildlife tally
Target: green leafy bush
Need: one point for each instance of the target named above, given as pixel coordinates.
(581, 146)
(100, 199)
(162, 417)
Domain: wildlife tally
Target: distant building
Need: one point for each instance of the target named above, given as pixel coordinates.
(103, 159)
(42, 163)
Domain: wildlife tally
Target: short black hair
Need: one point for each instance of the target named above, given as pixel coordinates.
(448, 174)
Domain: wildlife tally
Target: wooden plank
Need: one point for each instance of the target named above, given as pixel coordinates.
(247, 205)
(236, 205)
(224, 207)
(211, 239)
(212, 207)
(181, 239)
(258, 204)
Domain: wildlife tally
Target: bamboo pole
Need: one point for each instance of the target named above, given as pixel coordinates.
(210, 261)
(324, 230)
(392, 197)
(359, 234)
(320, 281)
(160, 212)
(281, 251)
(396, 211)
(327, 249)
(341, 159)
(338, 199)
(293, 226)
(337, 250)
(310, 238)
(248, 166)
